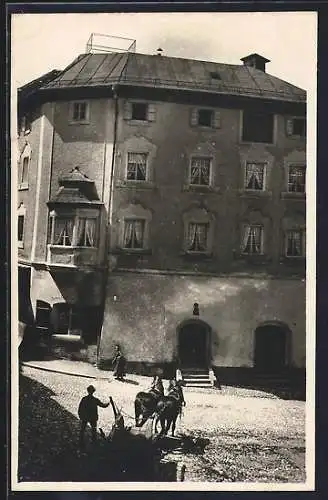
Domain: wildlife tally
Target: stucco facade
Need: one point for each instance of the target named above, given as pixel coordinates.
(142, 297)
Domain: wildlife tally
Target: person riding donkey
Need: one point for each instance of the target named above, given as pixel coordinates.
(175, 391)
(157, 386)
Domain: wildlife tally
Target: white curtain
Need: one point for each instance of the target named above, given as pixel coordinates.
(63, 233)
(197, 237)
(90, 232)
(252, 240)
(138, 233)
(294, 244)
(80, 232)
(296, 180)
(254, 176)
(137, 166)
(200, 171)
(128, 232)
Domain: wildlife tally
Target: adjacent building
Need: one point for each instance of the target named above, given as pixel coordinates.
(162, 207)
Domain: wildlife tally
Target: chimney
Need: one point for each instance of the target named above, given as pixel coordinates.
(159, 51)
(255, 61)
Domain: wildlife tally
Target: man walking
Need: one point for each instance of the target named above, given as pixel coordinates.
(88, 413)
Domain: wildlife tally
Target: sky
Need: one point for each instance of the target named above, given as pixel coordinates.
(42, 42)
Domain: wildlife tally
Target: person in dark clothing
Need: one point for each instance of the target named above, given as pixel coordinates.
(88, 413)
(157, 385)
(118, 364)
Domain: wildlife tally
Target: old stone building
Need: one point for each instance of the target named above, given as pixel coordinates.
(162, 207)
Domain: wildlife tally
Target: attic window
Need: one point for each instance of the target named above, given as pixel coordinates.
(215, 75)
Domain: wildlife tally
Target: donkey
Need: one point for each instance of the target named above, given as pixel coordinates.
(168, 408)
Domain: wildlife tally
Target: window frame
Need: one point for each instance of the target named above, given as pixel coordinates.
(292, 134)
(248, 141)
(187, 233)
(144, 224)
(79, 121)
(210, 174)
(23, 181)
(289, 167)
(146, 109)
(74, 218)
(302, 233)
(21, 212)
(264, 183)
(206, 110)
(146, 154)
(249, 226)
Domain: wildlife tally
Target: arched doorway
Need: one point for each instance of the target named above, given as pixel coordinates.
(194, 344)
(271, 347)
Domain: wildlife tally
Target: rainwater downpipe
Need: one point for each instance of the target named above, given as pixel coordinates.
(109, 218)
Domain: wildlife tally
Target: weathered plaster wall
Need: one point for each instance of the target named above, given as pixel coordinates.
(142, 313)
(73, 287)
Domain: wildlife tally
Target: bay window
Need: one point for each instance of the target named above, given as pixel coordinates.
(73, 231)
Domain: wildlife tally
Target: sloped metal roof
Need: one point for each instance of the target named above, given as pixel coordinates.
(101, 70)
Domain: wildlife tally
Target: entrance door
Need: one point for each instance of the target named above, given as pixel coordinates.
(193, 345)
(270, 348)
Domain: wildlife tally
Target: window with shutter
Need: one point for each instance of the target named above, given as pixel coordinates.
(296, 127)
(139, 111)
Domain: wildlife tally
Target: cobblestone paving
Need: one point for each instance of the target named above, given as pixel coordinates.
(250, 439)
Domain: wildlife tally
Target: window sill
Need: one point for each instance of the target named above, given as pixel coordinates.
(23, 186)
(205, 127)
(79, 122)
(249, 193)
(200, 189)
(131, 251)
(293, 258)
(197, 255)
(257, 142)
(135, 184)
(296, 137)
(291, 195)
(133, 121)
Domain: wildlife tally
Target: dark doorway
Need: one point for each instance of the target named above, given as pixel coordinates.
(270, 348)
(194, 345)
(25, 311)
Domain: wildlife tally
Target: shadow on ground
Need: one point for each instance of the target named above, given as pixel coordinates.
(48, 446)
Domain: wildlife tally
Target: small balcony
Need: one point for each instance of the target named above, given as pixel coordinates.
(70, 256)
